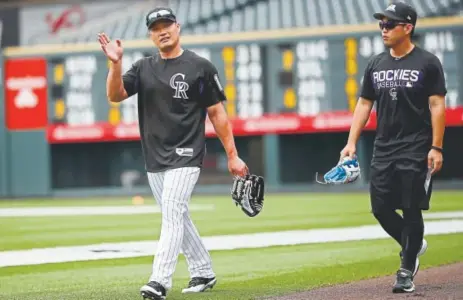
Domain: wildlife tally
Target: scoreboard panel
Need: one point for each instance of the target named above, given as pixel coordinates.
(273, 84)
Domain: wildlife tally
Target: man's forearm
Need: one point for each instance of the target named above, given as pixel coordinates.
(114, 86)
(438, 124)
(361, 114)
(224, 132)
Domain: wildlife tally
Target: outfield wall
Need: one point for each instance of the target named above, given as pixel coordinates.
(290, 96)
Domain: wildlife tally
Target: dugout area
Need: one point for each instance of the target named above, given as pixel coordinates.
(284, 160)
(310, 153)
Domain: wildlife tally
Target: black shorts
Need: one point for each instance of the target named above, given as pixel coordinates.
(399, 184)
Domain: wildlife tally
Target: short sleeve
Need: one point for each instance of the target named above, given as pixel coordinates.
(211, 89)
(367, 90)
(130, 79)
(435, 78)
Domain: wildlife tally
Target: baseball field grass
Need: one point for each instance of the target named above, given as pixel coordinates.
(242, 274)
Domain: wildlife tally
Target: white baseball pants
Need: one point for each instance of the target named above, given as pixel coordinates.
(172, 190)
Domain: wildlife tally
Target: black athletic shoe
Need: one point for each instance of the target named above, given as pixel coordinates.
(199, 284)
(404, 282)
(153, 290)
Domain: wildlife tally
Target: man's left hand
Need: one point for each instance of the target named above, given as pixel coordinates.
(435, 161)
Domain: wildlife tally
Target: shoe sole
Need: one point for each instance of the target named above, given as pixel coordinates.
(148, 294)
(209, 285)
(151, 296)
(400, 290)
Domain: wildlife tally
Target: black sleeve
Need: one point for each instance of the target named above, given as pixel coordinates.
(367, 91)
(435, 78)
(130, 79)
(211, 90)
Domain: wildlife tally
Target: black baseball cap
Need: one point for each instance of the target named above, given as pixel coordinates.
(398, 11)
(160, 13)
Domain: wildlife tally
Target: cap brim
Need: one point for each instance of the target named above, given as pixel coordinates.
(166, 18)
(389, 15)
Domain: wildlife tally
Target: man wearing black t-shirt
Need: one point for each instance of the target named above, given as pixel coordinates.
(408, 85)
(176, 90)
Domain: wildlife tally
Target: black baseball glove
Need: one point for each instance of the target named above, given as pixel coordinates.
(248, 193)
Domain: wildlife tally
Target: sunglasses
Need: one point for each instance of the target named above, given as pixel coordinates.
(390, 24)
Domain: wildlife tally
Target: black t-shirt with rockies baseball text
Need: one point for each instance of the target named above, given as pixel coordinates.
(173, 96)
(401, 88)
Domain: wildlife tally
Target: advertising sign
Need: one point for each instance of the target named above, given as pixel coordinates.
(26, 93)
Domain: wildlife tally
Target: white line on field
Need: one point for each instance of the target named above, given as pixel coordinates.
(140, 209)
(90, 210)
(227, 242)
(443, 215)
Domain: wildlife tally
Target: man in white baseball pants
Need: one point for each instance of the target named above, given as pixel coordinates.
(176, 90)
(172, 190)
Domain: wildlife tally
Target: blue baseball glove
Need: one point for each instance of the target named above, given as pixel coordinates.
(346, 171)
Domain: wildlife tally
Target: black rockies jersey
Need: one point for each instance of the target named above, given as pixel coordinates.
(401, 88)
(173, 96)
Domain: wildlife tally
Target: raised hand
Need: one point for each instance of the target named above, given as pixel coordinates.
(113, 50)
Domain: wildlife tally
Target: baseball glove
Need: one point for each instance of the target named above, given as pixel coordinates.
(346, 171)
(248, 193)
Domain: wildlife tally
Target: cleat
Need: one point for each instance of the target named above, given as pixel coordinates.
(404, 282)
(153, 291)
(199, 285)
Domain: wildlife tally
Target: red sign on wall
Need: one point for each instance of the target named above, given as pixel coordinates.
(26, 93)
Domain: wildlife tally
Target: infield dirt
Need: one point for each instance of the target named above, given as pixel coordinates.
(438, 283)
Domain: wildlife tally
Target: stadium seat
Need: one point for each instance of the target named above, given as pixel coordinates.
(225, 16)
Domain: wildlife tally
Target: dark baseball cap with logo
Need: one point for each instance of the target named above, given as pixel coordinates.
(398, 11)
(160, 13)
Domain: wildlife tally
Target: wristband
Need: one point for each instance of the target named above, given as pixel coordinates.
(437, 148)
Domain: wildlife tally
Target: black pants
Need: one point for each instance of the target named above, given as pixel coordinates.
(404, 185)
(399, 184)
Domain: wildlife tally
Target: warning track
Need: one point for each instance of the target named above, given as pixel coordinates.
(438, 283)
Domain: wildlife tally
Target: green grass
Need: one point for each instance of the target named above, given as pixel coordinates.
(450, 197)
(281, 212)
(242, 274)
